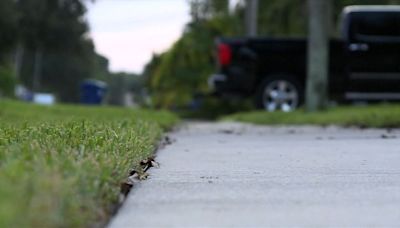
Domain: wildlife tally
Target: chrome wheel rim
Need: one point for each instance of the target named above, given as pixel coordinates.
(280, 95)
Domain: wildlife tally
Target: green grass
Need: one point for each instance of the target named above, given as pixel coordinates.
(61, 166)
(374, 116)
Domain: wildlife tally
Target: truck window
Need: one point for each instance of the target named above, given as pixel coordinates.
(376, 26)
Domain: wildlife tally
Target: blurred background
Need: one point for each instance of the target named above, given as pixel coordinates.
(148, 53)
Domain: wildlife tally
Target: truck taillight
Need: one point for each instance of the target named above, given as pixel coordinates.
(224, 54)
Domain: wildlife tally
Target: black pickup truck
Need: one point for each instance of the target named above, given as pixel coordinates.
(364, 64)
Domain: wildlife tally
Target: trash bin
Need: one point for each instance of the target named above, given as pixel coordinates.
(93, 92)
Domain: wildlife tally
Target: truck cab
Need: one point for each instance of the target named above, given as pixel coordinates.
(372, 37)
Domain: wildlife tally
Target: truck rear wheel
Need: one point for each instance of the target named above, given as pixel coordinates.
(279, 93)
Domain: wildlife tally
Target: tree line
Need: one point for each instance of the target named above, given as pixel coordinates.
(45, 46)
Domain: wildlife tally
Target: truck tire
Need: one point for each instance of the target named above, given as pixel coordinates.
(279, 93)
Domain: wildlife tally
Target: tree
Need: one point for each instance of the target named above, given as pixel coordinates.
(282, 18)
(8, 31)
(207, 9)
(8, 28)
(175, 76)
(58, 52)
(49, 42)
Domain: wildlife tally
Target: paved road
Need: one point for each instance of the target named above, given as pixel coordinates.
(233, 175)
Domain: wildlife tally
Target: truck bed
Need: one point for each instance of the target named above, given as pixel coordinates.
(277, 56)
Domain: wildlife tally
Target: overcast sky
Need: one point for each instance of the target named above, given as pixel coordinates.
(127, 32)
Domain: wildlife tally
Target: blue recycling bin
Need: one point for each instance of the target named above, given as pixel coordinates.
(93, 92)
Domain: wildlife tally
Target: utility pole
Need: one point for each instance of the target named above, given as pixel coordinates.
(251, 17)
(319, 12)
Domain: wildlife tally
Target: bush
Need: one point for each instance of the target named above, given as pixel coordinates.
(211, 108)
(7, 81)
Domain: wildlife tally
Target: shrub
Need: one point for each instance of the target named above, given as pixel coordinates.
(7, 81)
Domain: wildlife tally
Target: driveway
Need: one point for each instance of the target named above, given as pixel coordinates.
(238, 175)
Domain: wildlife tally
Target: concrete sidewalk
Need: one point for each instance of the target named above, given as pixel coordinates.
(236, 175)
